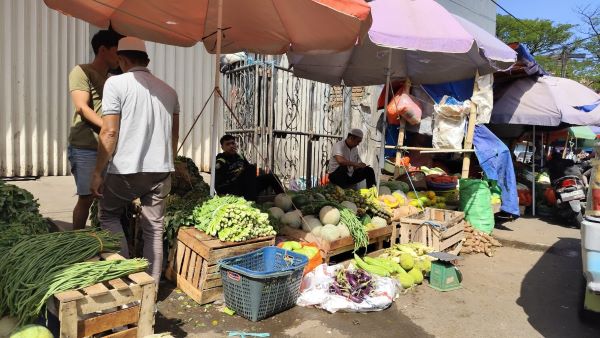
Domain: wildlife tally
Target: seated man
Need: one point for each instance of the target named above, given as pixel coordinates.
(345, 167)
(236, 176)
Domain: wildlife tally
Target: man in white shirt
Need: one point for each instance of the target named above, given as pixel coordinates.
(345, 166)
(137, 142)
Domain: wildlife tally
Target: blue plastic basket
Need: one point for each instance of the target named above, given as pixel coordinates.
(262, 283)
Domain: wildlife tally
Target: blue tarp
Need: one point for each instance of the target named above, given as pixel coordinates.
(495, 160)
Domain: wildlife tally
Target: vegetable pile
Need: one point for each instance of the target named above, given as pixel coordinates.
(408, 263)
(478, 242)
(28, 264)
(355, 285)
(19, 216)
(232, 218)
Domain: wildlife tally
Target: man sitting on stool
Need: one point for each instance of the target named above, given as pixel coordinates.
(345, 167)
(236, 176)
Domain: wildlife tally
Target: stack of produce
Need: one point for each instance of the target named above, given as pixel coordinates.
(426, 199)
(408, 263)
(525, 197)
(232, 218)
(355, 285)
(19, 216)
(433, 171)
(31, 263)
(478, 242)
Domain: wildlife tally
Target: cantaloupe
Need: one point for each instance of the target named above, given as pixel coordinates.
(283, 201)
(309, 223)
(276, 212)
(350, 205)
(330, 232)
(32, 331)
(292, 219)
(329, 215)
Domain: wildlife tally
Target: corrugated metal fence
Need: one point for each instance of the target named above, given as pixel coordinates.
(38, 48)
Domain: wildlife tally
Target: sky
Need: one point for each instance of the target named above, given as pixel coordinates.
(561, 11)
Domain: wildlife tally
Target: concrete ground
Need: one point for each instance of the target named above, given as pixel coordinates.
(530, 288)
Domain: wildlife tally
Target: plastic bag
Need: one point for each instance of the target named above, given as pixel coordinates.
(475, 197)
(315, 292)
(484, 98)
(449, 123)
(313, 262)
(402, 106)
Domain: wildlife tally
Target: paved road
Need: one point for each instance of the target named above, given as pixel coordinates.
(530, 289)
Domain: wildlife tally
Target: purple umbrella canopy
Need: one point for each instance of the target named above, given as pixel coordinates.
(545, 101)
(427, 43)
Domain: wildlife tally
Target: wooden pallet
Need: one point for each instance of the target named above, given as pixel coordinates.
(342, 245)
(416, 229)
(99, 308)
(194, 265)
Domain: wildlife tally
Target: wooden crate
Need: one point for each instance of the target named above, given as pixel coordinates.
(417, 228)
(99, 308)
(342, 245)
(194, 265)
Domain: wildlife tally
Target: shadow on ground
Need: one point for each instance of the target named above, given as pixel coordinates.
(550, 292)
(182, 317)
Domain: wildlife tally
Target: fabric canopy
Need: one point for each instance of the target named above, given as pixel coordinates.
(544, 101)
(260, 26)
(428, 45)
(582, 132)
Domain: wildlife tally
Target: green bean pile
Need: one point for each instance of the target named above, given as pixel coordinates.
(357, 230)
(76, 276)
(30, 261)
(21, 227)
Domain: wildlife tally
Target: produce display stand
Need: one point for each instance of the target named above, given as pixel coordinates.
(342, 245)
(98, 308)
(420, 228)
(194, 268)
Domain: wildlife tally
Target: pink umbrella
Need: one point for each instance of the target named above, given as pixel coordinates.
(419, 40)
(260, 26)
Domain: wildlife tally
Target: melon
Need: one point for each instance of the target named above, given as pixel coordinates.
(383, 190)
(329, 215)
(32, 331)
(283, 202)
(330, 232)
(350, 205)
(292, 219)
(343, 230)
(276, 212)
(317, 231)
(309, 223)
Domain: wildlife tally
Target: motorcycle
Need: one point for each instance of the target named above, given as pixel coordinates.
(570, 198)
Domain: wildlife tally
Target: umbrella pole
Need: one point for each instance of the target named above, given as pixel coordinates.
(470, 131)
(213, 124)
(533, 183)
(383, 132)
(401, 131)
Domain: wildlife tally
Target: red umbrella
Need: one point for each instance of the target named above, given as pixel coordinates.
(259, 26)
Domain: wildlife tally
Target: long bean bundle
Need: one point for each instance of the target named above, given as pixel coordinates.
(357, 230)
(33, 259)
(75, 276)
(23, 226)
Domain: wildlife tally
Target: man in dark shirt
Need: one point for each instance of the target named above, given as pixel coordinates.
(236, 176)
(559, 167)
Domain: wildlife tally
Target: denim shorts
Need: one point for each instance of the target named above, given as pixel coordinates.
(83, 162)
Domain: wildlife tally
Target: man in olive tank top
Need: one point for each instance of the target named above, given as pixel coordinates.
(86, 82)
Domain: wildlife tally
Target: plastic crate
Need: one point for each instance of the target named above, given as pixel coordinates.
(262, 283)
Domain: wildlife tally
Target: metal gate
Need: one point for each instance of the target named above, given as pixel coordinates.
(283, 123)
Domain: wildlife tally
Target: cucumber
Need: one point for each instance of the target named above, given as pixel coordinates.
(373, 269)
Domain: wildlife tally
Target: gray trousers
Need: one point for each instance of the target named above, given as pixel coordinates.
(151, 189)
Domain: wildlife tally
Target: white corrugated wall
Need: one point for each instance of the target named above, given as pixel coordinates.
(191, 72)
(38, 48)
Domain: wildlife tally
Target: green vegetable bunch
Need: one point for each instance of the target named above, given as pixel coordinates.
(29, 262)
(75, 276)
(232, 218)
(357, 230)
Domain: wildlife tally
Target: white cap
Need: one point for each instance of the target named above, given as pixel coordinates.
(132, 43)
(356, 132)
